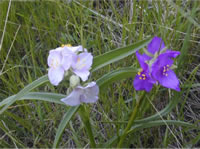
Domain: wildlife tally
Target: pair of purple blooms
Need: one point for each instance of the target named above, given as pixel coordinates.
(77, 60)
(156, 68)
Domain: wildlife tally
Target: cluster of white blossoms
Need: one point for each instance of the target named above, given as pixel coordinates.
(78, 61)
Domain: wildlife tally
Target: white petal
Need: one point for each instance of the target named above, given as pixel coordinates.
(91, 92)
(54, 58)
(75, 49)
(82, 74)
(73, 99)
(55, 75)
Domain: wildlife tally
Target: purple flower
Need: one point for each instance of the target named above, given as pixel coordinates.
(80, 94)
(143, 80)
(161, 70)
(82, 64)
(157, 68)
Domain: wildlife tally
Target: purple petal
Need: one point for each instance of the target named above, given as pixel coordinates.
(155, 45)
(55, 75)
(73, 99)
(140, 84)
(82, 74)
(91, 92)
(142, 59)
(171, 54)
(161, 61)
(146, 57)
(169, 81)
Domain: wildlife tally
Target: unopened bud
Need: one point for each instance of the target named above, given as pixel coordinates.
(74, 80)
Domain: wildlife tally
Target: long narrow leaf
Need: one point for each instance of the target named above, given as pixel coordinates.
(66, 118)
(43, 96)
(24, 91)
(115, 76)
(117, 54)
(159, 123)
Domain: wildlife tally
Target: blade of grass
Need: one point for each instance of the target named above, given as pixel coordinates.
(66, 118)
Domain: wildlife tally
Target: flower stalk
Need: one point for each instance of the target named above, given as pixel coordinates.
(131, 120)
(85, 118)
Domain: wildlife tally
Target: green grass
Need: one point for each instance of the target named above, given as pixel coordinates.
(100, 26)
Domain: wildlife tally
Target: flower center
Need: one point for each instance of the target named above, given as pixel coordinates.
(141, 75)
(165, 70)
(55, 63)
(81, 63)
(66, 45)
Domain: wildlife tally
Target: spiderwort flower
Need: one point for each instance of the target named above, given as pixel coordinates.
(156, 68)
(80, 94)
(61, 59)
(161, 70)
(143, 80)
(82, 64)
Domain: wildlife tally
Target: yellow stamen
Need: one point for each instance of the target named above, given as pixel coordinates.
(144, 78)
(143, 75)
(167, 65)
(66, 45)
(140, 78)
(139, 73)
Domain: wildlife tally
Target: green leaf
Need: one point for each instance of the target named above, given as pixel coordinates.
(24, 91)
(63, 124)
(150, 124)
(159, 123)
(43, 96)
(116, 75)
(54, 97)
(117, 54)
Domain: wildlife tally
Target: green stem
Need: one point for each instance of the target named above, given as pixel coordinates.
(131, 120)
(85, 118)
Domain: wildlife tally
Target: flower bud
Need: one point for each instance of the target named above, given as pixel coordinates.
(74, 81)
